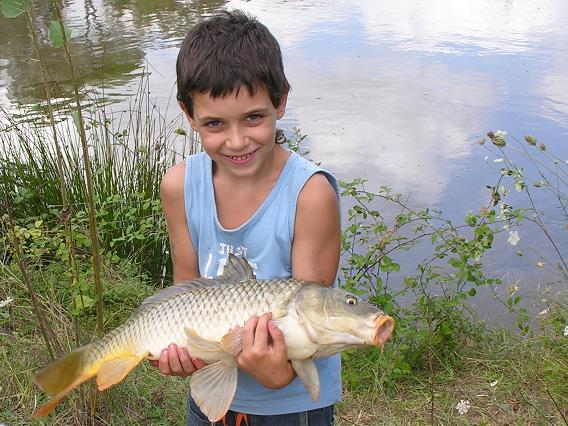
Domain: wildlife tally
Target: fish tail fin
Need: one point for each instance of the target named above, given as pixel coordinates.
(68, 372)
(61, 377)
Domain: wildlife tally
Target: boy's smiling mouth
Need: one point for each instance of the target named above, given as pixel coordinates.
(243, 158)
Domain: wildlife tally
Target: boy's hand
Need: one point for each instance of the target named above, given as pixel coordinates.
(176, 361)
(264, 353)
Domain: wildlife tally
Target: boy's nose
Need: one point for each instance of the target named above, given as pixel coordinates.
(237, 140)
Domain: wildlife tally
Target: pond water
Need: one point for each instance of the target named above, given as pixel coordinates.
(396, 92)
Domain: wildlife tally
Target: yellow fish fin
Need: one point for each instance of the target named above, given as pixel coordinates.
(114, 370)
(61, 377)
(213, 388)
(232, 342)
(45, 409)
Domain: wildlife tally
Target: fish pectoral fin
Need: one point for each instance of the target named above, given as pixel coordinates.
(308, 374)
(114, 370)
(213, 388)
(232, 342)
(194, 340)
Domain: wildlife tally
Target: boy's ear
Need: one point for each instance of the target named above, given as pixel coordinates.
(187, 116)
(282, 106)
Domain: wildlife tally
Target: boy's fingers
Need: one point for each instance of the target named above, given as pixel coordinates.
(276, 335)
(163, 364)
(173, 359)
(198, 363)
(185, 361)
(248, 331)
(261, 332)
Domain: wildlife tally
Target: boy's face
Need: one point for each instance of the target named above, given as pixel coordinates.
(237, 131)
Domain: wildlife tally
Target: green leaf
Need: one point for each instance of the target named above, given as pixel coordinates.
(14, 8)
(75, 116)
(472, 292)
(83, 302)
(55, 34)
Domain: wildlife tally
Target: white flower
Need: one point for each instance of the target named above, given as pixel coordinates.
(512, 289)
(544, 311)
(565, 331)
(504, 209)
(513, 238)
(505, 191)
(6, 302)
(494, 383)
(540, 264)
(499, 133)
(463, 407)
(498, 160)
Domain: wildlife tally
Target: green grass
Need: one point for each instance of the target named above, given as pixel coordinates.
(529, 371)
(145, 398)
(507, 379)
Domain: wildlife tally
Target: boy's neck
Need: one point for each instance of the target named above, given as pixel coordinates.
(237, 200)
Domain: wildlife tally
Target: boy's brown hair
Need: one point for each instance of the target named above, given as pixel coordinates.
(226, 51)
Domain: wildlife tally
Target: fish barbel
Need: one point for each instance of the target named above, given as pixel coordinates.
(206, 317)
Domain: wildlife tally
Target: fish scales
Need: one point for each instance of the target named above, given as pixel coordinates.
(206, 316)
(210, 311)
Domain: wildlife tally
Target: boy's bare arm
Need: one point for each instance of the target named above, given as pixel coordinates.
(184, 257)
(316, 244)
(176, 361)
(315, 257)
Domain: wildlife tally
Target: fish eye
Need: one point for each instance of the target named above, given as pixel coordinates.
(350, 300)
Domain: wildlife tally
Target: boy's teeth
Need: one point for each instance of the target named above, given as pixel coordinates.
(239, 157)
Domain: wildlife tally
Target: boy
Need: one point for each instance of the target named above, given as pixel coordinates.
(248, 195)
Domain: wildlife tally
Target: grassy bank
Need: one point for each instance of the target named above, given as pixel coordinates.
(506, 378)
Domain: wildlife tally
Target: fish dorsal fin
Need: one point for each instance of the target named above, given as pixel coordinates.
(236, 269)
(174, 290)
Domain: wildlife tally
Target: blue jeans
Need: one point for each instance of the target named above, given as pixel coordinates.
(318, 417)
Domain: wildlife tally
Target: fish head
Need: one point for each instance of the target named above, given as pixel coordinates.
(335, 317)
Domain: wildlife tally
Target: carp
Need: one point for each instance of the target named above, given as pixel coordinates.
(206, 316)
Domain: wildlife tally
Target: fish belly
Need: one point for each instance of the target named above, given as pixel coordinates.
(298, 342)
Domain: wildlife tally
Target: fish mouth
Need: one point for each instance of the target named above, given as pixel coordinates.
(384, 326)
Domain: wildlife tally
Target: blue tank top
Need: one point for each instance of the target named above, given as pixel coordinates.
(265, 240)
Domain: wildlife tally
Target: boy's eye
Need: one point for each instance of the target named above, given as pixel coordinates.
(253, 117)
(213, 123)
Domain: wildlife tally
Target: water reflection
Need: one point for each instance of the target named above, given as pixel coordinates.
(110, 42)
(397, 92)
(400, 91)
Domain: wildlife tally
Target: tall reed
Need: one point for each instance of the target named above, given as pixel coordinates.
(130, 151)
